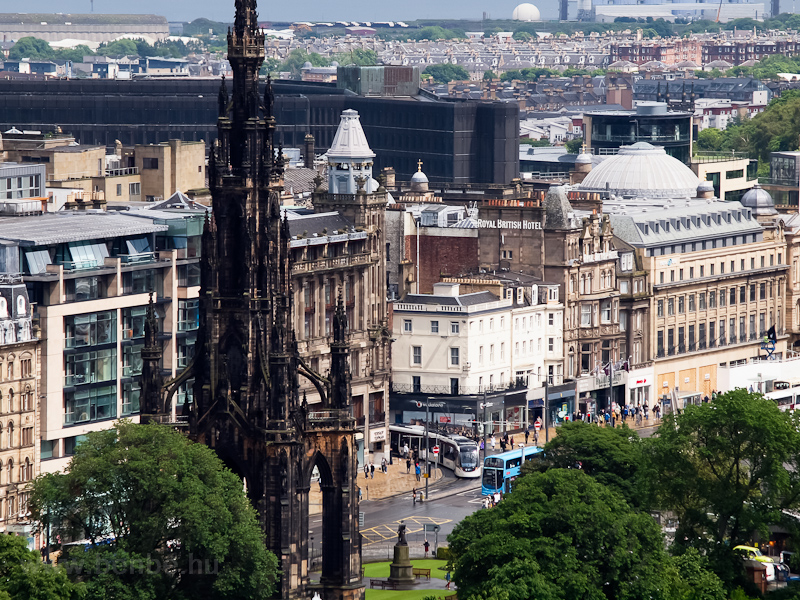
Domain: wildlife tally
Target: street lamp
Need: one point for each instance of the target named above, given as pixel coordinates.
(484, 405)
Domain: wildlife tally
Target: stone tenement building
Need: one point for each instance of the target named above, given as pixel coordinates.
(246, 365)
(341, 248)
(19, 405)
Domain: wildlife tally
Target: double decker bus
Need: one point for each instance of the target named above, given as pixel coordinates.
(500, 470)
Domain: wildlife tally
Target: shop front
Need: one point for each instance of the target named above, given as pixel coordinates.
(561, 403)
(640, 387)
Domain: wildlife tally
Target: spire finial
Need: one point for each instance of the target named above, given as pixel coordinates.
(419, 166)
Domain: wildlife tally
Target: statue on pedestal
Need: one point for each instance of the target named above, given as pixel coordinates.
(401, 535)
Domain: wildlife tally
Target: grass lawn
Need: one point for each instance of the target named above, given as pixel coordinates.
(406, 594)
(381, 571)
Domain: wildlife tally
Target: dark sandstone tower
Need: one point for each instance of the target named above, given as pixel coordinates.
(246, 366)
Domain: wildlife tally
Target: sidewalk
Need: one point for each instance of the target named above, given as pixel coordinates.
(383, 485)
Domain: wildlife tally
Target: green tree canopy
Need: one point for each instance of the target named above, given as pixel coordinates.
(489, 75)
(574, 146)
(179, 523)
(533, 74)
(436, 33)
(447, 72)
(33, 48)
(298, 57)
(710, 139)
(360, 56)
(611, 455)
(562, 535)
(24, 575)
(726, 469)
(118, 48)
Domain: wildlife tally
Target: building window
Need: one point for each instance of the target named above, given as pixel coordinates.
(605, 311)
(97, 404)
(454, 327)
(722, 333)
(150, 163)
(586, 358)
(416, 384)
(416, 355)
(434, 326)
(691, 303)
(743, 294)
(681, 305)
(25, 366)
(502, 351)
(712, 299)
(454, 357)
(586, 315)
(551, 343)
(702, 300)
(752, 326)
(701, 335)
(670, 341)
(752, 292)
(681, 340)
(742, 329)
(660, 310)
(188, 315)
(407, 326)
(762, 291)
(551, 319)
(732, 299)
(480, 354)
(671, 306)
(135, 189)
(491, 354)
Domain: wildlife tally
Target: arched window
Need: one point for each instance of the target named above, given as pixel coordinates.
(10, 469)
(10, 434)
(27, 399)
(11, 406)
(25, 470)
(10, 371)
(11, 505)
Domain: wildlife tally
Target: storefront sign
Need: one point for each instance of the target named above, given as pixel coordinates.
(501, 224)
(668, 262)
(377, 435)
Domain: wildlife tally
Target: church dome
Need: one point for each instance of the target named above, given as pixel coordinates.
(642, 170)
(526, 12)
(759, 201)
(419, 181)
(583, 159)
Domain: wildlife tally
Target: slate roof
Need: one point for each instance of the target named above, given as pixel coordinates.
(315, 223)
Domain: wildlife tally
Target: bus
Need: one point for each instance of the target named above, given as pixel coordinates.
(785, 393)
(500, 470)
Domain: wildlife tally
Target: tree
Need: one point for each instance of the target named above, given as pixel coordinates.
(710, 139)
(33, 48)
(299, 57)
(611, 455)
(24, 575)
(447, 72)
(436, 33)
(522, 36)
(122, 47)
(163, 516)
(489, 75)
(726, 469)
(561, 535)
(574, 146)
(359, 56)
(75, 54)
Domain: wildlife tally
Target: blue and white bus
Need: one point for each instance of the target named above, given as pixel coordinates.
(500, 470)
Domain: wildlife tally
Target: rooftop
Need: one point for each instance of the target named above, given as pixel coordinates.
(62, 227)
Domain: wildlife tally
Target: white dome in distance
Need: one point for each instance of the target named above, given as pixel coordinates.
(526, 12)
(642, 170)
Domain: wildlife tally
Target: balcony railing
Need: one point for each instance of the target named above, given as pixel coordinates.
(336, 262)
(712, 157)
(463, 390)
(638, 138)
(142, 257)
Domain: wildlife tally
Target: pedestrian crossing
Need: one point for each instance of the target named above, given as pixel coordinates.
(388, 531)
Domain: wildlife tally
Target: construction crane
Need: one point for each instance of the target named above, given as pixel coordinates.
(719, 11)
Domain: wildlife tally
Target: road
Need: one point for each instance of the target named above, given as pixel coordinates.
(457, 498)
(461, 497)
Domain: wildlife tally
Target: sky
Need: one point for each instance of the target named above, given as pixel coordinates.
(297, 10)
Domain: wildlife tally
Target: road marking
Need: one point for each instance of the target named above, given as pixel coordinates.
(317, 521)
(388, 531)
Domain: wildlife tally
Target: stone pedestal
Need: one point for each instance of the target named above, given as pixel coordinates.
(400, 568)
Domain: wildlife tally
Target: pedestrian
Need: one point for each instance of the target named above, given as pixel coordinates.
(527, 434)
(408, 465)
(447, 579)
(405, 450)
(512, 442)
(497, 497)
(366, 471)
(384, 468)
(493, 442)
(414, 496)
(427, 547)
(372, 470)
(417, 471)
(359, 494)
(536, 437)
(482, 445)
